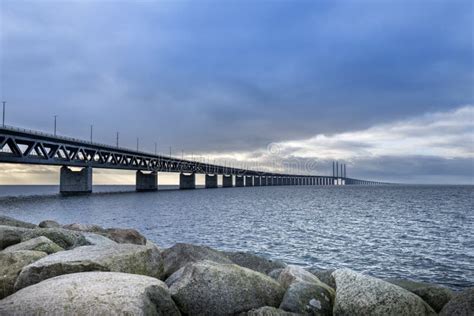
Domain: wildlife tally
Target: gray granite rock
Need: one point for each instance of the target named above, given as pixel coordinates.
(11, 264)
(210, 288)
(268, 311)
(91, 228)
(92, 293)
(436, 296)
(180, 254)
(40, 243)
(462, 304)
(308, 298)
(254, 262)
(9, 221)
(97, 240)
(324, 276)
(358, 294)
(10, 235)
(127, 258)
(49, 224)
(66, 239)
(125, 236)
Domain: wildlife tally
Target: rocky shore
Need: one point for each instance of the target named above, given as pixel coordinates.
(79, 269)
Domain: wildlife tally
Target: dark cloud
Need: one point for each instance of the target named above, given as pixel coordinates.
(234, 75)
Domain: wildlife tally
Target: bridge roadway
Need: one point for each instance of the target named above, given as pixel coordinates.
(22, 146)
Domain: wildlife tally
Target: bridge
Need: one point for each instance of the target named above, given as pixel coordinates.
(22, 146)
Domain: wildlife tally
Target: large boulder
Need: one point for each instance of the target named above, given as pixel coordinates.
(179, 255)
(40, 243)
(358, 294)
(254, 262)
(66, 239)
(10, 235)
(462, 304)
(49, 224)
(308, 298)
(125, 236)
(267, 311)
(127, 258)
(436, 296)
(92, 293)
(9, 221)
(11, 264)
(210, 288)
(305, 292)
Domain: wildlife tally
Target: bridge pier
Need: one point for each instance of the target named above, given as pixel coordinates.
(210, 181)
(187, 181)
(248, 181)
(239, 181)
(75, 182)
(227, 181)
(146, 181)
(257, 181)
(263, 181)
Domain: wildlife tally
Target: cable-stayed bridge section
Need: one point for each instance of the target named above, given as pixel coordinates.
(22, 146)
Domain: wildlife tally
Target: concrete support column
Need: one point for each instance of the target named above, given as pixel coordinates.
(146, 181)
(227, 181)
(211, 181)
(187, 181)
(248, 181)
(239, 181)
(75, 182)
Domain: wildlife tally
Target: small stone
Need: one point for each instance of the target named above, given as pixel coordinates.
(49, 224)
(40, 243)
(92, 293)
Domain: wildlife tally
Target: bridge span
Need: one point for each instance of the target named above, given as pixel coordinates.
(22, 146)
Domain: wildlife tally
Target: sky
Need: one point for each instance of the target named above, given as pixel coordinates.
(383, 86)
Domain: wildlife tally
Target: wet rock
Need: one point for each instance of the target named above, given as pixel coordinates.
(40, 243)
(127, 258)
(10, 235)
(210, 288)
(11, 264)
(91, 228)
(324, 276)
(254, 262)
(308, 298)
(9, 221)
(66, 239)
(92, 293)
(180, 254)
(358, 294)
(436, 296)
(267, 311)
(462, 304)
(274, 274)
(97, 240)
(49, 224)
(125, 236)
